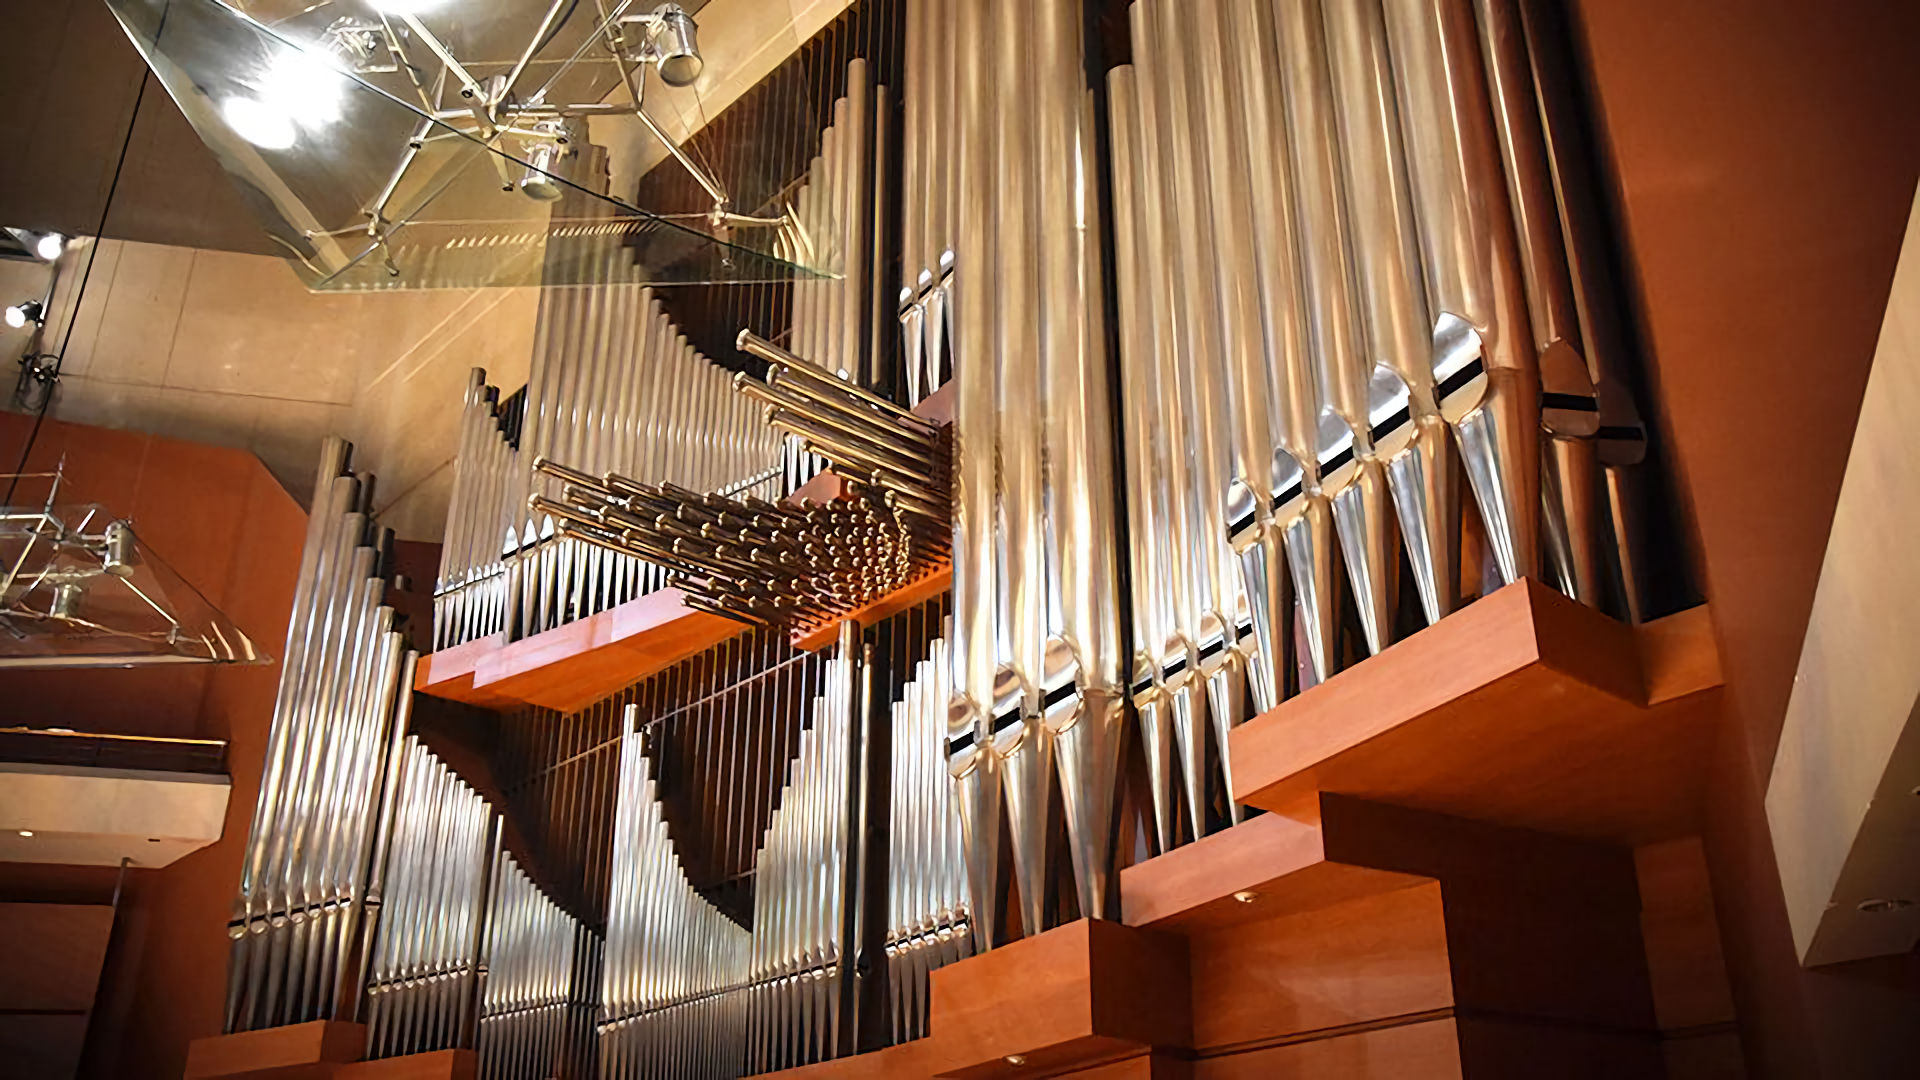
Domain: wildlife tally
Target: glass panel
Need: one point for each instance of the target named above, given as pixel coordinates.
(363, 136)
(78, 588)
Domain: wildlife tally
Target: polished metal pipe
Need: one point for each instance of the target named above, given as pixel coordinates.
(1391, 294)
(1351, 388)
(1146, 490)
(1570, 409)
(1484, 375)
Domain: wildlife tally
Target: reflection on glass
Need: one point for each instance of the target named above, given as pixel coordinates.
(442, 143)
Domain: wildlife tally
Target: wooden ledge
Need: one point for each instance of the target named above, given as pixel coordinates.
(293, 1052)
(1083, 994)
(1266, 866)
(437, 1065)
(1524, 709)
(573, 666)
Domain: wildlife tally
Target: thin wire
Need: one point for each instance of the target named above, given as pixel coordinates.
(52, 378)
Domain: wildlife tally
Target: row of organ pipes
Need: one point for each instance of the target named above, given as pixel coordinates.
(1358, 323)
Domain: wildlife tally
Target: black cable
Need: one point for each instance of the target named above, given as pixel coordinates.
(52, 378)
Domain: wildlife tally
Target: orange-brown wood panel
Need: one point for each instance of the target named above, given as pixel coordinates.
(573, 666)
(1524, 709)
(163, 980)
(1268, 865)
(1150, 1066)
(1417, 1051)
(1684, 962)
(438, 1065)
(1755, 176)
(1357, 962)
(1086, 991)
(312, 1049)
(1716, 1055)
(53, 954)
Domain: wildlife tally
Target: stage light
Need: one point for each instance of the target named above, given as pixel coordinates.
(29, 311)
(50, 246)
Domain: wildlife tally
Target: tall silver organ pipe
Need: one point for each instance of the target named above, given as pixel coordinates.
(929, 213)
(423, 985)
(614, 387)
(927, 899)
(831, 324)
(1391, 291)
(526, 1027)
(671, 996)
(1484, 369)
(1036, 676)
(309, 876)
(1342, 235)
(799, 971)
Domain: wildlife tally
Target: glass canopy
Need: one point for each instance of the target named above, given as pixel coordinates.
(78, 588)
(458, 143)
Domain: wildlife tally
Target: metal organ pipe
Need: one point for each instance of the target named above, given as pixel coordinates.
(297, 931)
(1485, 375)
(1391, 291)
(613, 388)
(672, 997)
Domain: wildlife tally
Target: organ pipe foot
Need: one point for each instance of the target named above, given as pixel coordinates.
(1309, 540)
(1365, 529)
(1425, 499)
(1089, 734)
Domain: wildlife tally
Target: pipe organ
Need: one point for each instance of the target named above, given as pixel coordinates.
(433, 925)
(312, 873)
(1266, 348)
(641, 399)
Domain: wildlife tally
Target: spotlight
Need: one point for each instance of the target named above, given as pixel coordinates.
(26, 832)
(547, 162)
(50, 246)
(675, 48)
(30, 311)
(670, 44)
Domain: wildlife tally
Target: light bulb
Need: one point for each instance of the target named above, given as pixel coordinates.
(50, 246)
(26, 832)
(16, 317)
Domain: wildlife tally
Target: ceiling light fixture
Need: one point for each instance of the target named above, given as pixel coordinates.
(50, 246)
(26, 832)
(27, 311)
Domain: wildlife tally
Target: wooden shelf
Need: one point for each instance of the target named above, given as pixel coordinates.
(294, 1052)
(1524, 709)
(573, 666)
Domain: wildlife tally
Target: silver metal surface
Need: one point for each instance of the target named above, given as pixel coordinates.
(1485, 375)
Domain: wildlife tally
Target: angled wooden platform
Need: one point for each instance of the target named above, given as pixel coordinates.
(1445, 883)
(1524, 709)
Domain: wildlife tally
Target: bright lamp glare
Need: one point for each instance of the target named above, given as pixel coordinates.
(295, 91)
(403, 7)
(50, 246)
(259, 123)
(18, 316)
